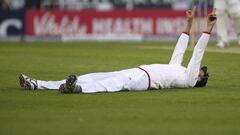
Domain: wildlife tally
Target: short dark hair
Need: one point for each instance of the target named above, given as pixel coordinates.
(203, 81)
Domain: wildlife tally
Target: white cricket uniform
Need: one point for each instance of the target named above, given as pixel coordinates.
(225, 8)
(154, 76)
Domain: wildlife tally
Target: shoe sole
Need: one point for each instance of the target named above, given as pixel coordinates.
(22, 81)
(28, 86)
(25, 84)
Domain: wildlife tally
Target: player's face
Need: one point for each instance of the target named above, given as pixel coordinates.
(200, 75)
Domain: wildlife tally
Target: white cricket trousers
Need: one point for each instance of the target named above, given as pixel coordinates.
(129, 79)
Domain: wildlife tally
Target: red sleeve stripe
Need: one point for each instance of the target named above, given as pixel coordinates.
(207, 33)
(186, 33)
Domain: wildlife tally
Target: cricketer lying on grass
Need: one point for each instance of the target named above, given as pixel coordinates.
(154, 76)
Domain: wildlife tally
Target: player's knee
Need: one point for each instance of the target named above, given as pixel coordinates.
(234, 10)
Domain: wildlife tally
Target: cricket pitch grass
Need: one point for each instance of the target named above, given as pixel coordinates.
(213, 110)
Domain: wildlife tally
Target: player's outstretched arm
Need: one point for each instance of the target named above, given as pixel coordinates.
(198, 52)
(182, 42)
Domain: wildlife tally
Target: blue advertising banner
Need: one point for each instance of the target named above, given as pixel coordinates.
(12, 23)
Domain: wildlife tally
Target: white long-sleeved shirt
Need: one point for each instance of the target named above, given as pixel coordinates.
(174, 75)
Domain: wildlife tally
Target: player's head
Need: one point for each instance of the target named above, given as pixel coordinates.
(202, 77)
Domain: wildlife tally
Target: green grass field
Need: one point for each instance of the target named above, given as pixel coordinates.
(213, 110)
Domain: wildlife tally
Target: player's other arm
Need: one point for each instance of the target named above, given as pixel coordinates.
(198, 52)
(182, 42)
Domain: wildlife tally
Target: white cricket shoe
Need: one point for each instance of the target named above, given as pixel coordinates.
(222, 44)
(27, 83)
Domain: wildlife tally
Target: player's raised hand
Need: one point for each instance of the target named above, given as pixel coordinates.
(190, 14)
(212, 18)
(211, 21)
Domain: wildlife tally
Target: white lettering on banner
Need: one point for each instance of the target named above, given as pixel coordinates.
(147, 27)
(47, 25)
(122, 25)
(101, 25)
(170, 25)
(173, 26)
(143, 25)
